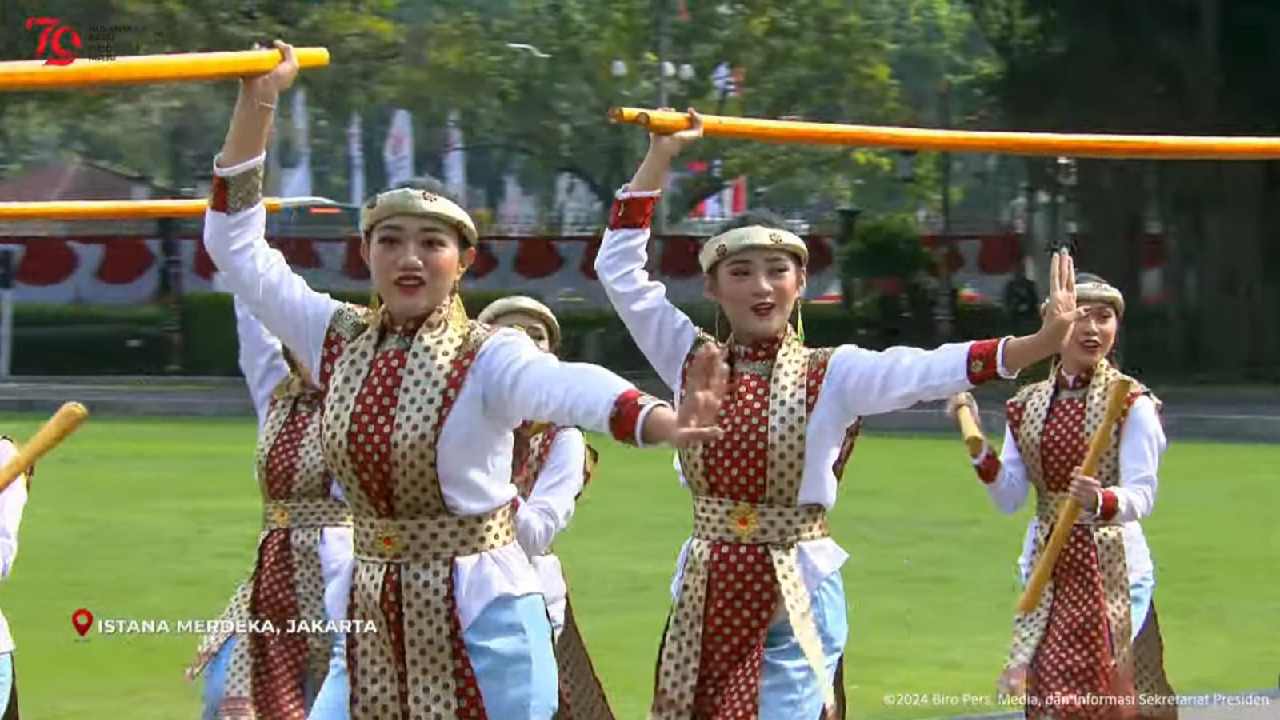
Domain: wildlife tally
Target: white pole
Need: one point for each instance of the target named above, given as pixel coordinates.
(6, 332)
(6, 312)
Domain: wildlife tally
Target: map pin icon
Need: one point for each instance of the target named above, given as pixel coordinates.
(82, 619)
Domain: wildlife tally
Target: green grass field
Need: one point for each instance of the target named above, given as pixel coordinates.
(157, 518)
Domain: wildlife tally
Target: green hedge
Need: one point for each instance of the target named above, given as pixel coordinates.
(209, 329)
(89, 340)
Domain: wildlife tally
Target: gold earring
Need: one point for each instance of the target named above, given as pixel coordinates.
(799, 322)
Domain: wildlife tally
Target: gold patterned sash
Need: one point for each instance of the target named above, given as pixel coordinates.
(403, 579)
(1029, 628)
(725, 520)
(305, 513)
(719, 520)
(429, 539)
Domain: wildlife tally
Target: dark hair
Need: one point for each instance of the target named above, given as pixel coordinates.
(762, 217)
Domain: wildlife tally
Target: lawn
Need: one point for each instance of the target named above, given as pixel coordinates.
(156, 519)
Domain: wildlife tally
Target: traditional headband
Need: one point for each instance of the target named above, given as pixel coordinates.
(524, 304)
(1095, 292)
(408, 201)
(755, 236)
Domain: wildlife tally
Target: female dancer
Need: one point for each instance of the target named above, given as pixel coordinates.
(758, 626)
(550, 467)
(1092, 648)
(419, 412)
(303, 563)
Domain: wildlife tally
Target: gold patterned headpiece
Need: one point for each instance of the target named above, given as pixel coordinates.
(524, 304)
(408, 201)
(1095, 292)
(746, 238)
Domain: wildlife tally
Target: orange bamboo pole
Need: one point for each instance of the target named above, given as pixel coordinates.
(131, 209)
(136, 69)
(1158, 147)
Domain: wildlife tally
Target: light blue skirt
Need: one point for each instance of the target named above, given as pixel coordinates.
(6, 681)
(509, 645)
(788, 688)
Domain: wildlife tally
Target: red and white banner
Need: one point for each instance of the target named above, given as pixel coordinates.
(126, 270)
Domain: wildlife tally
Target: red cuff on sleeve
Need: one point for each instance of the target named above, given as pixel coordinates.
(218, 194)
(1110, 505)
(989, 467)
(625, 415)
(983, 362)
(633, 213)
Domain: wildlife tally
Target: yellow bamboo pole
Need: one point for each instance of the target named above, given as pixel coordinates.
(1071, 509)
(64, 422)
(131, 209)
(137, 69)
(1158, 147)
(973, 439)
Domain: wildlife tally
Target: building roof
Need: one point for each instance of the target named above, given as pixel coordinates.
(75, 179)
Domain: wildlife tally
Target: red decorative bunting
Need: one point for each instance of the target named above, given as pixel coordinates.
(680, 257)
(486, 262)
(537, 258)
(588, 265)
(999, 254)
(124, 260)
(299, 252)
(820, 255)
(47, 262)
(353, 264)
(204, 266)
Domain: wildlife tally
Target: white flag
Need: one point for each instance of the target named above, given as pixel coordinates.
(397, 152)
(355, 153)
(455, 159)
(296, 161)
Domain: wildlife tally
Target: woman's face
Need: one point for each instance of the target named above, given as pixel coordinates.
(414, 263)
(1091, 338)
(757, 290)
(530, 324)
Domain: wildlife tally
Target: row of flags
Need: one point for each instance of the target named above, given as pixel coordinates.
(291, 157)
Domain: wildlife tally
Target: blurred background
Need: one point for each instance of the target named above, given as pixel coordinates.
(505, 100)
(144, 515)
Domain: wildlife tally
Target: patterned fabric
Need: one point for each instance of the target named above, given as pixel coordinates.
(633, 213)
(238, 192)
(267, 674)
(988, 467)
(624, 420)
(389, 393)
(745, 487)
(983, 361)
(1076, 642)
(529, 453)
(1149, 676)
(581, 693)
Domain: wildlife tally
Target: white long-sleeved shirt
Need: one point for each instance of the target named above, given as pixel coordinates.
(858, 382)
(1142, 443)
(547, 512)
(12, 501)
(510, 380)
(264, 367)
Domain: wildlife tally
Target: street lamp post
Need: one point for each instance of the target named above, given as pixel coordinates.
(947, 308)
